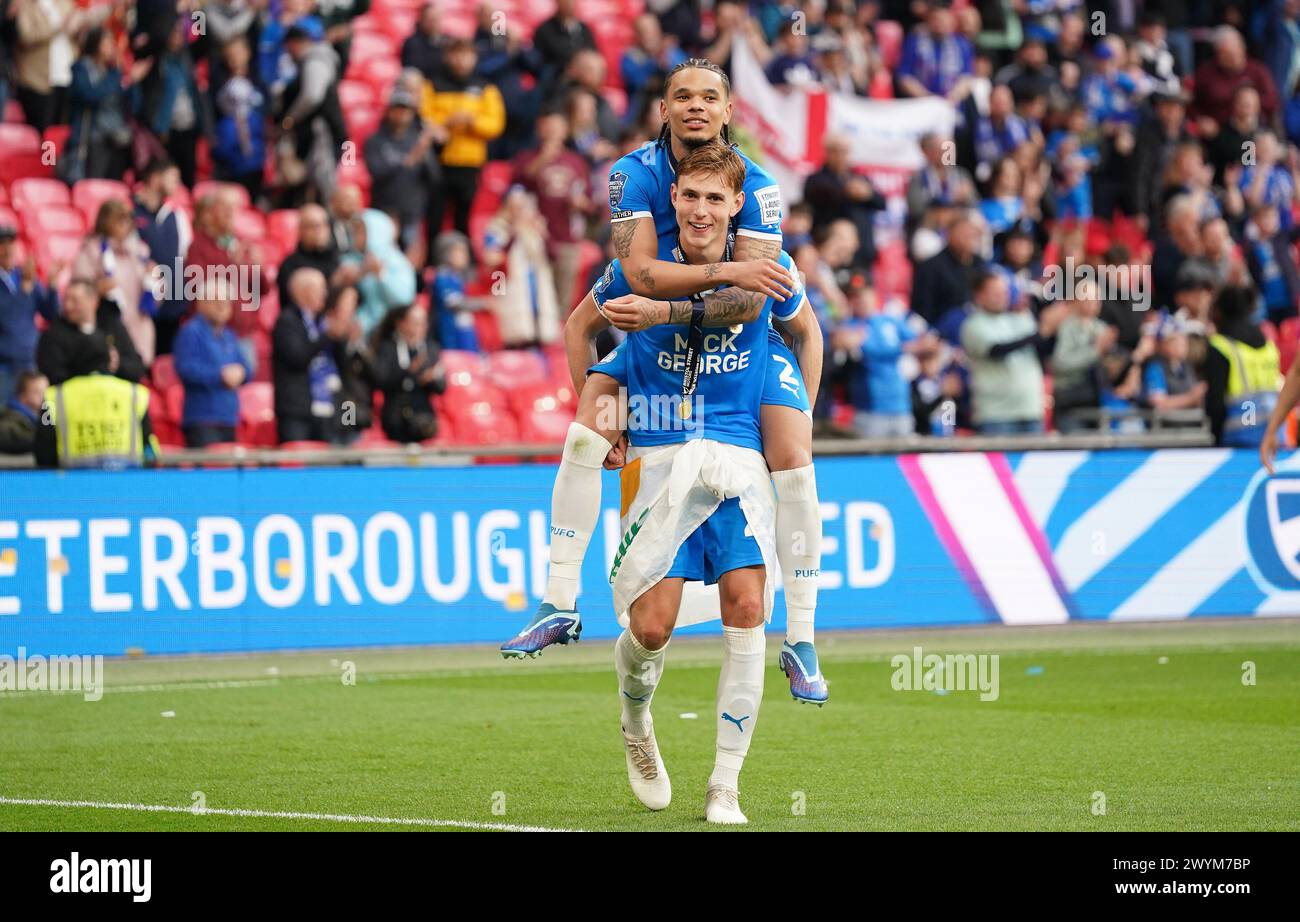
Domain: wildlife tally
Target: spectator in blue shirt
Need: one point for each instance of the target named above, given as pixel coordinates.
(1272, 263)
(452, 306)
(1270, 180)
(649, 58)
(998, 134)
(211, 366)
(880, 392)
(22, 297)
(935, 60)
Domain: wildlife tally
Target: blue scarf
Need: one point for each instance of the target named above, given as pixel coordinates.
(322, 373)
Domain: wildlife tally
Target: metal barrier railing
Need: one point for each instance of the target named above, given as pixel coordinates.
(420, 456)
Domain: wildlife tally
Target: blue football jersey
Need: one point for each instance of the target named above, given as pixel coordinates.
(729, 391)
(639, 188)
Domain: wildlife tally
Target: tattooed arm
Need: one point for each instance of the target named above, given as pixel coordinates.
(753, 267)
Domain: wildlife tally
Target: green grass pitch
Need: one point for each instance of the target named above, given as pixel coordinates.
(457, 738)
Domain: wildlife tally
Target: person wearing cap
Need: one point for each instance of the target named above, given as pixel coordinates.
(402, 158)
(471, 111)
(310, 118)
(1168, 380)
(22, 297)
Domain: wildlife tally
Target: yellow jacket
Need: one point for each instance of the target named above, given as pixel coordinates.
(467, 145)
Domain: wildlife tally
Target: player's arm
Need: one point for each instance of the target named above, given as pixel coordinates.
(724, 308)
(806, 333)
(637, 246)
(580, 331)
(1286, 402)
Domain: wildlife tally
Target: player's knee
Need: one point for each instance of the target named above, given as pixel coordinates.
(652, 636)
(742, 608)
(786, 457)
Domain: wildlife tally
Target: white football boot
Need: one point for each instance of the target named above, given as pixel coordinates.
(722, 805)
(646, 772)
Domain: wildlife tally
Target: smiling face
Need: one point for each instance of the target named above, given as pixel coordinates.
(696, 106)
(705, 204)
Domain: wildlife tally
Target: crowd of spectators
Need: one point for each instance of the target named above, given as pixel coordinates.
(450, 198)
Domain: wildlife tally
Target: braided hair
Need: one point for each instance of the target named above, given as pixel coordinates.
(693, 64)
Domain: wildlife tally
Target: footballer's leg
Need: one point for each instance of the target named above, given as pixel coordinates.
(740, 688)
(575, 508)
(639, 662)
(787, 448)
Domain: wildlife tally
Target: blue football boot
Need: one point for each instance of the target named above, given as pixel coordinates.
(549, 626)
(799, 663)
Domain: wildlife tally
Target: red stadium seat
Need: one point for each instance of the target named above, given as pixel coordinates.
(19, 139)
(32, 193)
(9, 218)
(361, 122)
(380, 73)
(61, 248)
(282, 225)
(354, 93)
(370, 45)
(479, 393)
(54, 219)
(250, 226)
(162, 374)
(174, 398)
(357, 174)
(13, 112)
(481, 423)
(257, 414)
(14, 166)
(88, 195)
(494, 180)
(462, 368)
(512, 368)
(551, 427)
(547, 397)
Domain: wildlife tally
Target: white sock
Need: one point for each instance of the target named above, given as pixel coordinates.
(798, 548)
(740, 691)
(575, 506)
(639, 670)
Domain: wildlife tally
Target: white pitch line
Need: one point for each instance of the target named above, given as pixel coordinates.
(280, 814)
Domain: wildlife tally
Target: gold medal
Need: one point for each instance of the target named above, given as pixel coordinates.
(685, 408)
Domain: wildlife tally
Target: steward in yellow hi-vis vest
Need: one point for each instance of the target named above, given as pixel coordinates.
(99, 421)
(1251, 392)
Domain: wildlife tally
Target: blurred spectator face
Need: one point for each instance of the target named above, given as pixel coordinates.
(729, 15)
(167, 182)
(79, 304)
(841, 243)
(414, 325)
(457, 256)
(1267, 149)
(313, 228)
(1173, 346)
(1229, 49)
(1245, 106)
(32, 396)
(798, 222)
(964, 237)
(1196, 301)
(940, 21)
(308, 290)
(862, 300)
(1007, 181)
(1268, 222)
(1033, 55)
(214, 307)
(837, 154)
(176, 40)
(1086, 304)
(649, 36)
(236, 56)
(119, 225)
(346, 201)
(793, 43)
(225, 207)
(429, 22)
(1215, 237)
(552, 129)
(106, 50)
(461, 61)
(993, 295)
(807, 259)
(565, 9)
(1018, 251)
(7, 252)
(1071, 34)
(587, 69)
(932, 148)
(1152, 33)
(399, 119)
(968, 22)
(1171, 113)
(581, 111)
(696, 106)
